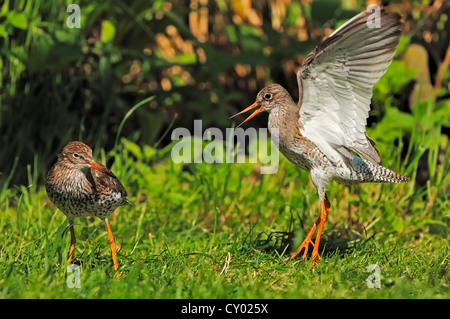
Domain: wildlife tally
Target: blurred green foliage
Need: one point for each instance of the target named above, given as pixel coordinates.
(198, 59)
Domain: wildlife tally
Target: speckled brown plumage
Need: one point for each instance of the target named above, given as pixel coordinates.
(81, 187)
(324, 133)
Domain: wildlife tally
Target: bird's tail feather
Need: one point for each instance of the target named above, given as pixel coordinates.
(377, 173)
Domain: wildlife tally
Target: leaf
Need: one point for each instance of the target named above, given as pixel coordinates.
(132, 147)
(3, 32)
(186, 59)
(108, 31)
(17, 19)
(149, 152)
(395, 221)
(251, 39)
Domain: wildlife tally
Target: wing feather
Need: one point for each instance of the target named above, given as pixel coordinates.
(336, 81)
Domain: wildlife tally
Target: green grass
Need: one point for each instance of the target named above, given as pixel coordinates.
(223, 230)
(203, 230)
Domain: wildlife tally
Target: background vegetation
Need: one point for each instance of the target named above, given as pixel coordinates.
(221, 230)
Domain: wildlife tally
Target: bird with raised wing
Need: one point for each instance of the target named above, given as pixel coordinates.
(81, 187)
(324, 133)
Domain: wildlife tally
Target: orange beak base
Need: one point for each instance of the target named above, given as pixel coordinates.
(96, 166)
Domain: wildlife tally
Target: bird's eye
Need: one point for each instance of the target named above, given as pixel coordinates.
(267, 96)
(76, 155)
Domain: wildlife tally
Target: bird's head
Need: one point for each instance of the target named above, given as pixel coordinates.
(268, 99)
(78, 155)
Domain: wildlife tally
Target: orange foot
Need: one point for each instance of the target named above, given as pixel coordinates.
(112, 246)
(315, 257)
(305, 244)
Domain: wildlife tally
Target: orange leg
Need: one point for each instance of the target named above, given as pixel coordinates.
(324, 208)
(73, 242)
(111, 244)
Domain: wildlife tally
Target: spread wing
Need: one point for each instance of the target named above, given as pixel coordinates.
(336, 81)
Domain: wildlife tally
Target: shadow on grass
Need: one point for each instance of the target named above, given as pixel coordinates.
(336, 241)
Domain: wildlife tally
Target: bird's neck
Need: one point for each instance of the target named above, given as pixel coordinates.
(283, 118)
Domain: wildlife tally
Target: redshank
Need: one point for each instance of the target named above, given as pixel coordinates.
(324, 133)
(81, 187)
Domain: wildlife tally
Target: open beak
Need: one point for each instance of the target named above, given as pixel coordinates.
(248, 109)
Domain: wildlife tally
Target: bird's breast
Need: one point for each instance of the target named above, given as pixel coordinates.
(76, 194)
(285, 132)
